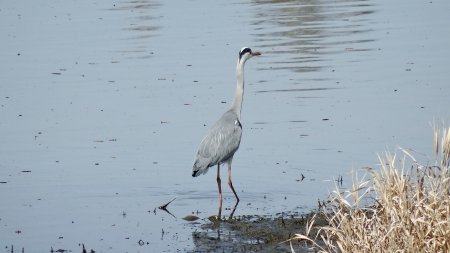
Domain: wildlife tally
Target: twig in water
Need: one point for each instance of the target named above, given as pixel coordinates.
(164, 207)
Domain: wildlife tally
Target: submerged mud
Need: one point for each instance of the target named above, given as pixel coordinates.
(253, 233)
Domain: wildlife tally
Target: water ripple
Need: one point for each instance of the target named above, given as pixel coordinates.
(142, 25)
(301, 35)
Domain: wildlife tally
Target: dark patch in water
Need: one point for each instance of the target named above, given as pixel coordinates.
(252, 233)
(296, 90)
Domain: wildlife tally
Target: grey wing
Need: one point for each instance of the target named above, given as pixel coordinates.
(221, 142)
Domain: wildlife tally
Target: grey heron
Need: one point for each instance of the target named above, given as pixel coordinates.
(223, 138)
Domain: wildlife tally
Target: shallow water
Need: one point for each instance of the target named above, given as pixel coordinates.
(103, 106)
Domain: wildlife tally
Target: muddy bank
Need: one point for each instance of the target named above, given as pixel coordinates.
(252, 233)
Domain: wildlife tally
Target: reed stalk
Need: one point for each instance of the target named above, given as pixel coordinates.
(401, 206)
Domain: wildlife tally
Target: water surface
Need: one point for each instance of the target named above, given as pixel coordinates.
(103, 106)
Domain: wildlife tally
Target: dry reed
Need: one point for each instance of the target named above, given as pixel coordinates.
(401, 207)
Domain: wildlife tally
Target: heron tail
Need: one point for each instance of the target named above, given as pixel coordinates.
(199, 168)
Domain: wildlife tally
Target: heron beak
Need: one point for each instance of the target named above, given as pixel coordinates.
(256, 53)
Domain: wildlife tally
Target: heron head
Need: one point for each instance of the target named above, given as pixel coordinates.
(246, 53)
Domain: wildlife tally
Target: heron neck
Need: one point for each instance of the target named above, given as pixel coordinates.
(237, 103)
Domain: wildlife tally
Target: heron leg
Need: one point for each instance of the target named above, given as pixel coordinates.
(230, 183)
(220, 191)
(234, 209)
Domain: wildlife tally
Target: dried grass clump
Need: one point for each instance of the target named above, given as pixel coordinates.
(401, 207)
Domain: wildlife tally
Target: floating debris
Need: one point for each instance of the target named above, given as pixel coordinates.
(164, 207)
(301, 179)
(84, 250)
(191, 218)
(58, 250)
(340, 180)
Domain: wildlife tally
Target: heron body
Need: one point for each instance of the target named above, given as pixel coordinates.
(219, 144)
(223, 138)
